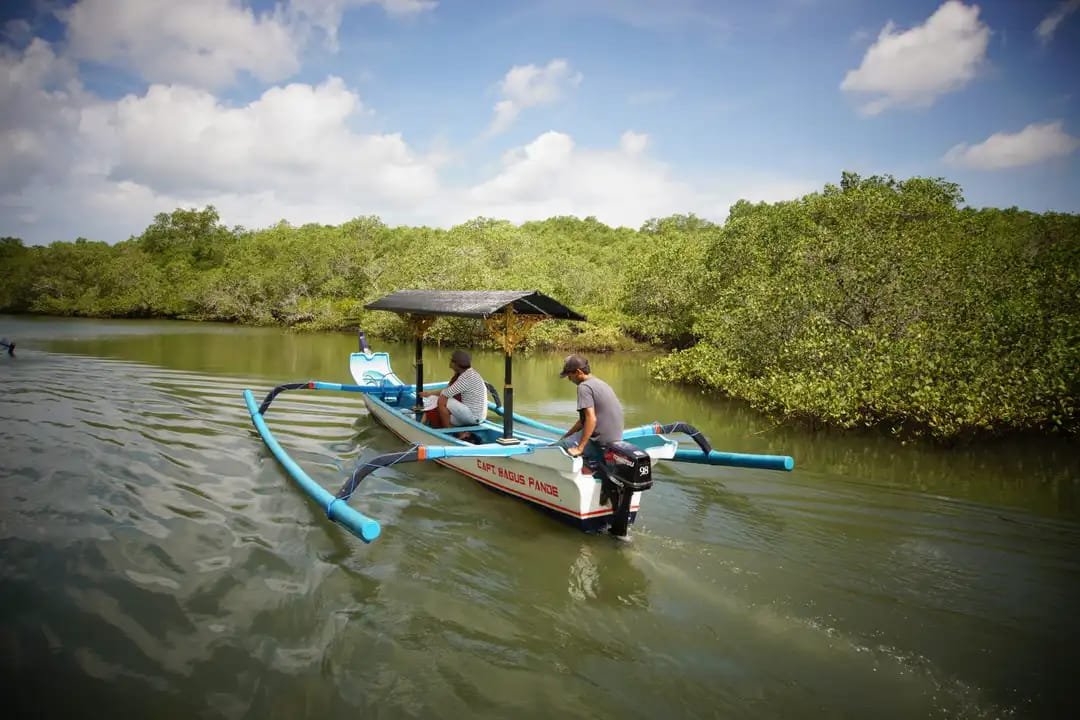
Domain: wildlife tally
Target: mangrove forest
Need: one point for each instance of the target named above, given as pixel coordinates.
(877, 302)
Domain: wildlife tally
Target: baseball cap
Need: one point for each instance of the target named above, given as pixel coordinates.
(461, 359)
(573, 363)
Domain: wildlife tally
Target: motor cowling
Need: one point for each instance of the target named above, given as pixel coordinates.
(626, 469)
(628, 466)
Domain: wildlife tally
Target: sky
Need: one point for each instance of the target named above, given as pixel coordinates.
(433, 112)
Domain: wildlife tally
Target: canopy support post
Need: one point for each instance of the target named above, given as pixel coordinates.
(419, 325)
(418, 408)
(508, 401)
(510, 329)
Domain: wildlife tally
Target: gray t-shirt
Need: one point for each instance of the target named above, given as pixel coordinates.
(597, 394)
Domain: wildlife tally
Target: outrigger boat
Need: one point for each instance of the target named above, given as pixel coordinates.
(519, 457)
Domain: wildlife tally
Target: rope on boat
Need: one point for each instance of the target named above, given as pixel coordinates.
(494, 394)
(690, 430)
(364, 469)
(280, 389)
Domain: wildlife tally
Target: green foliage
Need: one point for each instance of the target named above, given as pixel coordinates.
(877, 302)
(15, 263)
(66, 278)
(884, 303)
(194, 238)
(661, 293)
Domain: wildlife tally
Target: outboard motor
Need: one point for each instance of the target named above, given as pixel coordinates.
(626, 469)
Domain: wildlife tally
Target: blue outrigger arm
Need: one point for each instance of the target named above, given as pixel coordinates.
(357, 523)
(427, 452)
(336, 506)
(706, 455)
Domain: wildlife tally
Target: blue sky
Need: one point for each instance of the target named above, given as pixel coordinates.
(433, 112)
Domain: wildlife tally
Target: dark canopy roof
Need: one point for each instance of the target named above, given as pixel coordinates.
(474, 303)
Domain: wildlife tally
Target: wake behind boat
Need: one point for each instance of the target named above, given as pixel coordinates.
(524, 462)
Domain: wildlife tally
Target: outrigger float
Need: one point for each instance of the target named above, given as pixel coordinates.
(524, 463)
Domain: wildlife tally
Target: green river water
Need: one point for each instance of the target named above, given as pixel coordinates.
(157, 562)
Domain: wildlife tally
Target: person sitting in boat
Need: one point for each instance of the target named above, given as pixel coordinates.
(600, 414)
(464, 400)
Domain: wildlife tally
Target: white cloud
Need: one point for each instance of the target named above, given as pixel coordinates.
(623, 186)
(633, 143)
(292, 154)
(299, 152)
(40, 95)
(200, 42)
(184, 142)
(1050, 23)
(17, 32)
(915, 67)
(207, 43)
(527, 86)
(403, 7)
(1034, 144)
(326, 14)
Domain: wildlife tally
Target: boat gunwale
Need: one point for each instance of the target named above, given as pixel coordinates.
(576, 467)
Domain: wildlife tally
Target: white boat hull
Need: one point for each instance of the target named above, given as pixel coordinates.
(549, 478)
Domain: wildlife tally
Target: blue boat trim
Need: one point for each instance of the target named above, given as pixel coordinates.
(528, 421)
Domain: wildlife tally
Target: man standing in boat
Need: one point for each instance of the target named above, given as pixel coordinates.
(600, 414)
(464, 400)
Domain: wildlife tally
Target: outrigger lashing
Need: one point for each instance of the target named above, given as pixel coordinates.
(518, 456)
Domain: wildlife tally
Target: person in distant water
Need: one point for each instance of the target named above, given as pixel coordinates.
(600, 414)
(464, 400)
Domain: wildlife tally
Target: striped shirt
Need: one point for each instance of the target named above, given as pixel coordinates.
(473, 392)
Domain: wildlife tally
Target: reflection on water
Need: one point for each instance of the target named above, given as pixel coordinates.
(158, 562)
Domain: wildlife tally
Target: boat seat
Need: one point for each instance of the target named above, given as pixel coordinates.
(454, 429)
(470, 431)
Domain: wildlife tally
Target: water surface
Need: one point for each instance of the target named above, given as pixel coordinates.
(157, 562)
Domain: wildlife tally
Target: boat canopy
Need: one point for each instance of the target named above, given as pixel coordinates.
(508, 315)
(481, 304)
